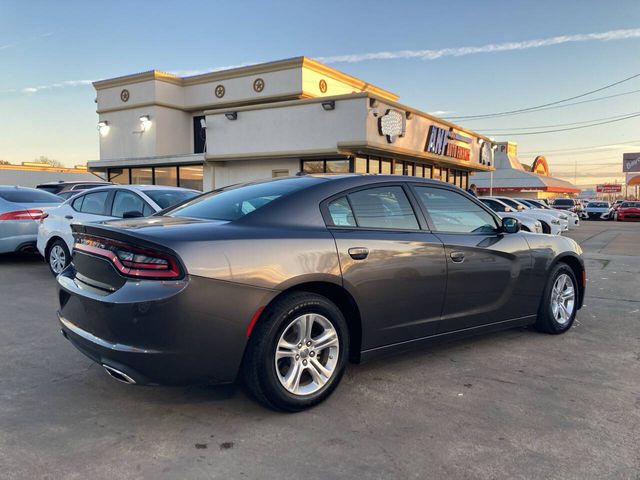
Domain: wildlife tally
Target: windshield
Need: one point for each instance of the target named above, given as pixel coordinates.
(630, 205)
(169, 198)
(598, 205)
(29, 196)
(510, 202)
(236, 202)
(563, 202)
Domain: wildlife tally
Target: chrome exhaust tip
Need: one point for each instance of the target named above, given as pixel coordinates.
(118, 375)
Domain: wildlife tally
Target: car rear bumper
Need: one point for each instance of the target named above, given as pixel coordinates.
(16, 235)
(191, 331)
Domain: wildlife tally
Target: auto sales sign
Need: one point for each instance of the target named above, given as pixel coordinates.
(631, 162)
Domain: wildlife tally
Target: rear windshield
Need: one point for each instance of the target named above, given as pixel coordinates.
(50, 188)
(598, 205)
(169, 198)
(563, 201)
(29, 196)
(235, 202)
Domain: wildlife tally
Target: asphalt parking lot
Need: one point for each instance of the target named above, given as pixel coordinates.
(516, 404)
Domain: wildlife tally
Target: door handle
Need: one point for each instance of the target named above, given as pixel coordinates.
(457, 256)
(69, 217)
(358, 253)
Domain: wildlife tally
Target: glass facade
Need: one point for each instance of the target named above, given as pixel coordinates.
(166, 176)
(142, 176)
(190, 176)
(186, 176)
(387, 166)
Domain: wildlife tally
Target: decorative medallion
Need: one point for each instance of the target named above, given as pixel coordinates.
(219, 91)
(323, 86)
(392, 125)
(124, 95)
(258, 85)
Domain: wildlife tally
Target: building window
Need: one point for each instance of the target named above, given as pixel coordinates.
(374, 165)
(142, 176)
(166, 176)
(190, 177)
(397, 167)
(199, 134)
(313, 166)
(361, 165)
(119, 176)
(419, 170)
(337, 166)
(436, 173)
(326, 166)
(408, 168)
(279, 173)
(385, 167)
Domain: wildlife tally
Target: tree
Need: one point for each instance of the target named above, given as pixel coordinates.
(5, 162)
(50, 161)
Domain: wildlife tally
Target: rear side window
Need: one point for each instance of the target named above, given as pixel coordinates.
(493, 205)
(341, 214)
(20, 195)
(380, 207)
(94, 203)
(124, 202)
(455, 213)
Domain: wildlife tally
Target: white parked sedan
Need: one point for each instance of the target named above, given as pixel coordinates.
(55, 241)
(574, 219)
(550, 223)
(529, 224)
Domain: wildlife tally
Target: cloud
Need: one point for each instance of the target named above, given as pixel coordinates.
(438, 113)
(66, 83)
(489, 48)
(25, 40)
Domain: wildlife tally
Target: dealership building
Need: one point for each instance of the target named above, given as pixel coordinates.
(274, 119)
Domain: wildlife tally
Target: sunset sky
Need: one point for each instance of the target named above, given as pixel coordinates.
(455, 60)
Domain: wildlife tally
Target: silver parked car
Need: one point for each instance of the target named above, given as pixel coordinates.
(20, 210)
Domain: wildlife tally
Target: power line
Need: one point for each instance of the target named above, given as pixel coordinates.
(557, 124)
(511, 112)
(565, 105)
(513, 134)
(608, 145)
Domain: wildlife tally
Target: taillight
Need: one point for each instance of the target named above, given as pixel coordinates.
(23, 215)
(130, 260)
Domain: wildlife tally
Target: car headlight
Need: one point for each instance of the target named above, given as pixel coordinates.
(555, 221)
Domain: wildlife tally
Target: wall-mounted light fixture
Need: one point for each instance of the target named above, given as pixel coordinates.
(203, 124)
(145, 122)
(103, 128)
(231, 115)
(481, 141)
(408, 115)
(373, 103)
(329, 105)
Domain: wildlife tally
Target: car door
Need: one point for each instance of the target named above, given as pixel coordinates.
(487, 270)
(393, 268)
(88, 207)
(128, 202)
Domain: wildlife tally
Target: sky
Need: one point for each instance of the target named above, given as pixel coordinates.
(453, 59)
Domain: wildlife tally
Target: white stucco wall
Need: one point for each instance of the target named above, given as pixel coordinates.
(295, 128)
(237, 171)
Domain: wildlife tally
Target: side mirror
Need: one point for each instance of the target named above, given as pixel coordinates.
(508, 209)
(132, 214)
(510, 225)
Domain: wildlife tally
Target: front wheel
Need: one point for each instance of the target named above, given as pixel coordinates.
(557, 309)
(58, 257)
(297, 352)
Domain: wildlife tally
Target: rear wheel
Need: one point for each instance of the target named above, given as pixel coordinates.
(297, 352)
(58, 257)
(557, 309)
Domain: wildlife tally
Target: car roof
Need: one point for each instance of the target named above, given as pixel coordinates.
(73, 182)
(133, 188)
(15, 187)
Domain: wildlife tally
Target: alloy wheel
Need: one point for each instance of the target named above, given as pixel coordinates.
(307, 354)
(57, 259)
(563, 296)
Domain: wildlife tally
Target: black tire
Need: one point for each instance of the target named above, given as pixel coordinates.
(259, 368)
(58, 244)
(546, 321)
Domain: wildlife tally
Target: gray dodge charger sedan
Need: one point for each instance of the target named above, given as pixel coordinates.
(282, 282)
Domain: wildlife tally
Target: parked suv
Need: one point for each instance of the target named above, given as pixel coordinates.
(565, 204)
(67, 190)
